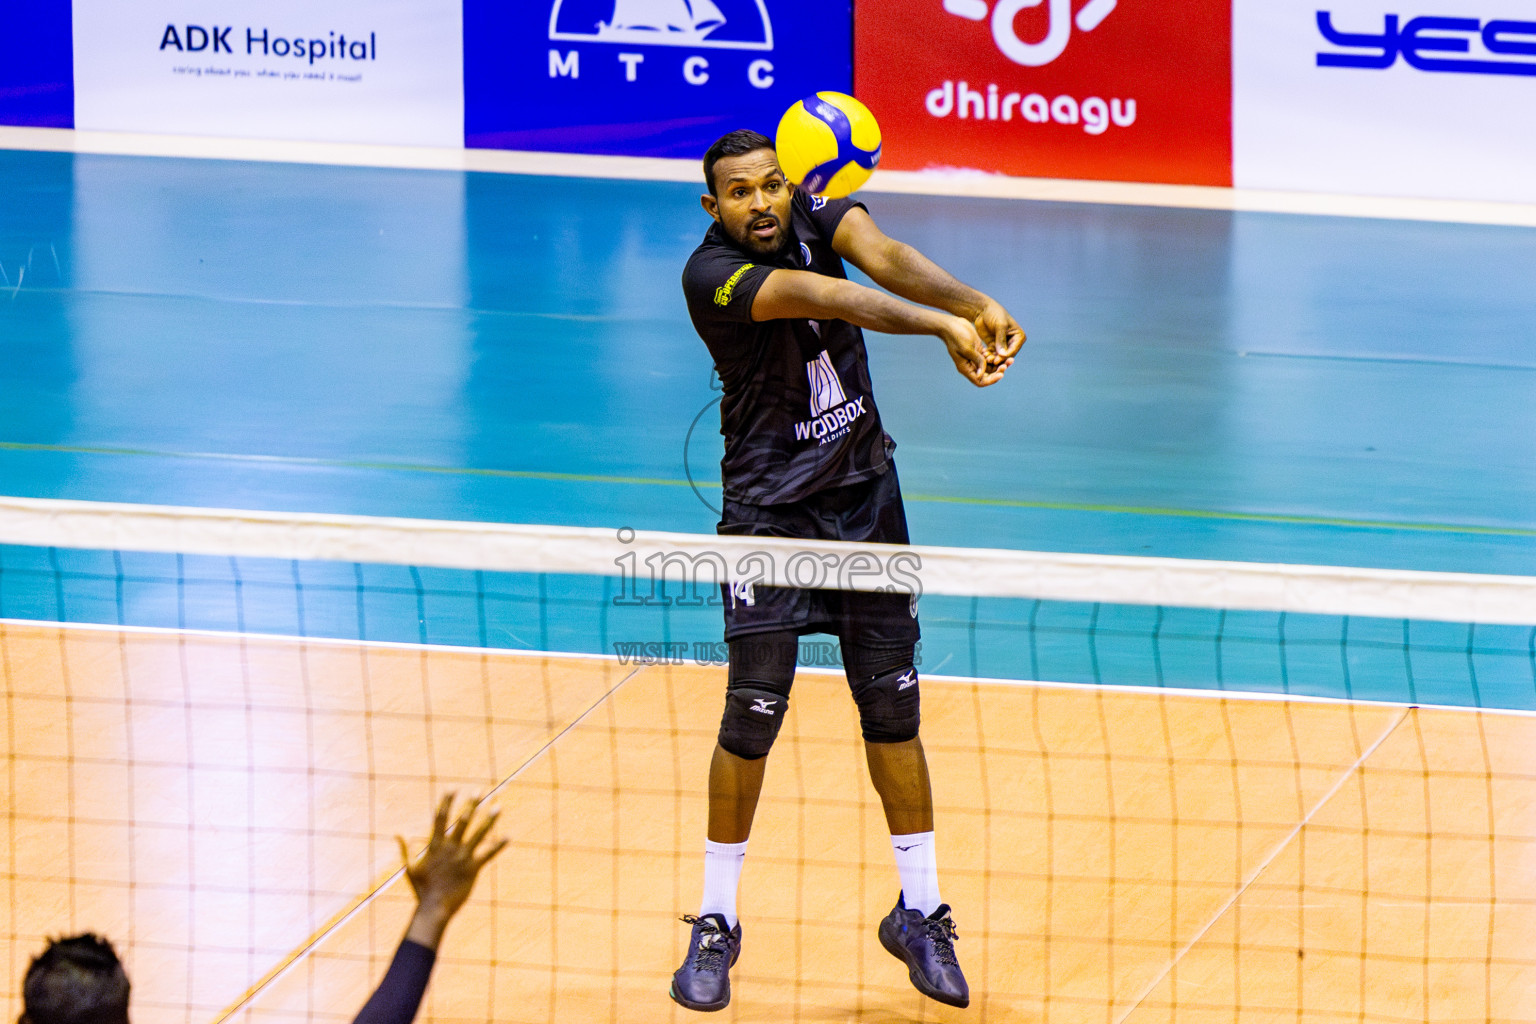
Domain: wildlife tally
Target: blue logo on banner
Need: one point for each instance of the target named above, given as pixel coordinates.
(693, 23)
(644, 77)
(1423, 39)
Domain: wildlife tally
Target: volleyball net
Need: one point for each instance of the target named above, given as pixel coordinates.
(1414, 637)
(219, 720)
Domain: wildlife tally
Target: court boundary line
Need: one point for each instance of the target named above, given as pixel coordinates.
(338, 920)
(1261, 696)
(935, 182)
(1263, 866)
(327, 641)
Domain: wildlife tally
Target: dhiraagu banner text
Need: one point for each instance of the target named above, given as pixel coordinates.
(1125, 90)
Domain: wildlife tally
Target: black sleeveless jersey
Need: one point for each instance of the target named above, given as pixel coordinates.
(798, 412)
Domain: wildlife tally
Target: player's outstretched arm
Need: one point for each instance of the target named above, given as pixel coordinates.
(803, 295)
(441, 876)
(900, 268)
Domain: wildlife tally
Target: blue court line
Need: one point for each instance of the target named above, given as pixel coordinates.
(601, 478)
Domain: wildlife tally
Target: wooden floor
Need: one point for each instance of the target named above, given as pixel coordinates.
(218, 805)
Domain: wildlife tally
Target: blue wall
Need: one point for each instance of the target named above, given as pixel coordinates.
(539, 76)
(37, 70)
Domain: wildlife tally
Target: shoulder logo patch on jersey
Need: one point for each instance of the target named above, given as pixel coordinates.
(817, 202)
(723, 293)
(762, 705)
(805, 253)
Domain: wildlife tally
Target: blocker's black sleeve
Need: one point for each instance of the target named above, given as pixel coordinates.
(398, 996)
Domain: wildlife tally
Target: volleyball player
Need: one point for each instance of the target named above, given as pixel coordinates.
(79, 980)
(806, 456)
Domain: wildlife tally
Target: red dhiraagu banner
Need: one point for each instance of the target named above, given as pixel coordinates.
(1126, 90)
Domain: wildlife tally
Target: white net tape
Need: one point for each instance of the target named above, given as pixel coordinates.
(1120, 579)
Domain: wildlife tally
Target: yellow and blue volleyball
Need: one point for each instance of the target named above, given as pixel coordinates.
(828, 144)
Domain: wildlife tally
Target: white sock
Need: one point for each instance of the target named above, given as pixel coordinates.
(722, 873)
(919, 870)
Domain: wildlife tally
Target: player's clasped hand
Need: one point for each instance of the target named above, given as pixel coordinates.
(1001, 335)
(979, 359)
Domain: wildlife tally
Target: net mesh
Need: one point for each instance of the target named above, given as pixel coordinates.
(208, 757)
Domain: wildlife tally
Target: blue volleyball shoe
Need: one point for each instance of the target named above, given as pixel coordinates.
(704, 980)
(927, 946)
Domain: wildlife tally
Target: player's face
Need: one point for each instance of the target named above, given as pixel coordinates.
(752, 201)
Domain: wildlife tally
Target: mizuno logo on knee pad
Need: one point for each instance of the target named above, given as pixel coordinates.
(889, 705)
(751, 720)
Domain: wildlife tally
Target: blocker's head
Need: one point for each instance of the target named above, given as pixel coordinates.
(78, 980)
(749, 197)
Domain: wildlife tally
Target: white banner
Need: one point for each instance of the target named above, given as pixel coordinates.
(370, 71)
(1431, 98)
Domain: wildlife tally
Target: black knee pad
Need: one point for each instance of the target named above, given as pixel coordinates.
(889, 705)
(752, 719)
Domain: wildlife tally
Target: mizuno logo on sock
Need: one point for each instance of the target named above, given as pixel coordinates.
(904, 849)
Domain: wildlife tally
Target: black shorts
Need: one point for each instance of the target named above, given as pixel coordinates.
(867, 511)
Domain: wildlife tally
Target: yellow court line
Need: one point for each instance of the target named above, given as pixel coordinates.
(1277, 518)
